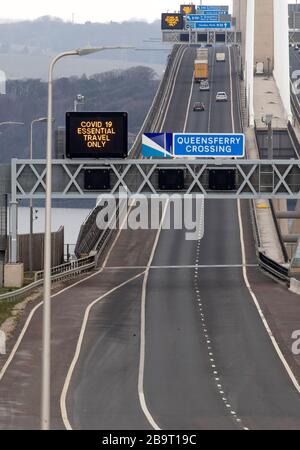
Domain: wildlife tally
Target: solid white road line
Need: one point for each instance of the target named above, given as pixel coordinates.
(231, 91)
(196, 266)
(245, 275)
(32, 313)
(189, 105)
(27, 323)
(211, 89)
(143, 331)
(172, 92)
(264, 320)
(63, 398)
(81, 336)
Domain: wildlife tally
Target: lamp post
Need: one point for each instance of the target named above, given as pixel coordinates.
(11, 123)
(45, 403)
(294, 18)
(13, 254)
(79, 100)
(40, 120)
(268, 121)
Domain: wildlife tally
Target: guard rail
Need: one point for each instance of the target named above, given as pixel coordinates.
(58, 274)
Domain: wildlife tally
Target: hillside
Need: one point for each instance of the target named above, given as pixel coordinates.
(131, 90)
(27, 47)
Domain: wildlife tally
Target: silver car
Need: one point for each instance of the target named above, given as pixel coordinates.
(221, 97)
(204, 86)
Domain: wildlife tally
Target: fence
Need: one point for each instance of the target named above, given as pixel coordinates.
(61, 273)
(38, 250)
(5, 177)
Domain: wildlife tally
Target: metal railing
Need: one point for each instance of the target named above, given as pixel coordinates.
(273, 268)
(77, 264)
(158, 105)
(294, 140)
(59, 274)
(295, 102)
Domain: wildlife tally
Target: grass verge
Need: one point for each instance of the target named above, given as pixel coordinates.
(6, 308)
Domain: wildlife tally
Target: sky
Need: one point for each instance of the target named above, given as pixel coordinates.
(94, 10)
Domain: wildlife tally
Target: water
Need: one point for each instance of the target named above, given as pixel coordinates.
(70, 218)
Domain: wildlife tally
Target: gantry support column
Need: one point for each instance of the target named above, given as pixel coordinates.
(249, 59)
(281, 54)
(265, 39)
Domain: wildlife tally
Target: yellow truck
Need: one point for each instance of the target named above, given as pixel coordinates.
(201, 70)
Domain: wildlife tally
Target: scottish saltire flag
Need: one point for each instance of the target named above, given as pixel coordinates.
(157, 145)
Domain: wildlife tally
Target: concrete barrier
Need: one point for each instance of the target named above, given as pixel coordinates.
(295, 286)
(14, 276)
(2, 343)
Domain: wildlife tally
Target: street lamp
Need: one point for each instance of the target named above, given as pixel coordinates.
(45, 406)
(268, 121)
(79, 100)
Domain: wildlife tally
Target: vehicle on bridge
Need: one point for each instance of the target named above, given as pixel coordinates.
(204, 85)
(221, 97)
(220, 57)
(201, 65)
(199, 106)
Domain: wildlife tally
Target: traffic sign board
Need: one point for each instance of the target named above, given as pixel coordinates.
(202, 18)
(212, 8)
(208, 145)
(213, 11)
(96, 135)
(214, 25)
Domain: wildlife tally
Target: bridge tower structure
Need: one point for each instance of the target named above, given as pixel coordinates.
(265, 39)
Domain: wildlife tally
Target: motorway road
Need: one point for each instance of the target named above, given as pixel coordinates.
(181, 346)
(209, 362)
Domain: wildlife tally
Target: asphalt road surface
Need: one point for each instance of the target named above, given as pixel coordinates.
(172, 337)
(209, 362)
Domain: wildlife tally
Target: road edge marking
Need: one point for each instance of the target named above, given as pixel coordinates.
(231, 90)
(211, 78)
(173, 88)
(64, 393)
(143, 331)
(33, 311)
(261, 314)
(189, 105)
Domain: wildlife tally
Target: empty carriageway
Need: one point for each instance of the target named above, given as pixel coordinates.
(209, 360)
(168, 334)
(205, 359)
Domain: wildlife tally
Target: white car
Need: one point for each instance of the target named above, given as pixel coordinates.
(204, 86)
(221, 97)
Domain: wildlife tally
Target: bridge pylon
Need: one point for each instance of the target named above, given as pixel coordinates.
(265, 40)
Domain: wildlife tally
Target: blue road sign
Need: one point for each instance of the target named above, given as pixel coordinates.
(219, 12)
(203, 18)
(157, 145)
(212, 8)
(208, 145)
(213, 25)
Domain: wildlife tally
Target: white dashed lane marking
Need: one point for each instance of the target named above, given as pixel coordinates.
(213, 364)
